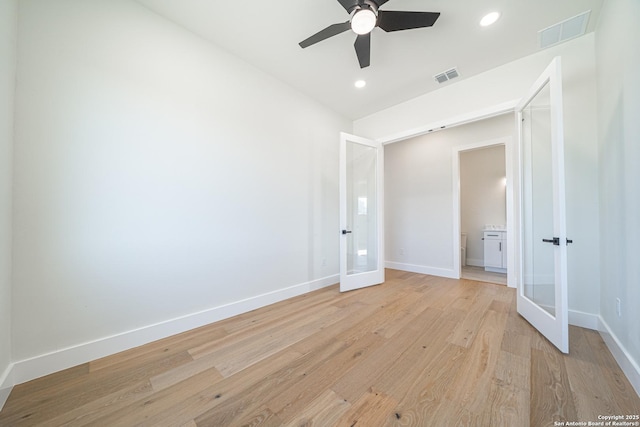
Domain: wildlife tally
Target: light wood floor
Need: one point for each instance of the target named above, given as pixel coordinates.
(417, 350)
(479, 274)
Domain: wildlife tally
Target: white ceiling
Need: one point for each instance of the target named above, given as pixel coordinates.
(266, 33)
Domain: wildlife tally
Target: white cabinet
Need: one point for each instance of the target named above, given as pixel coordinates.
(495, 251)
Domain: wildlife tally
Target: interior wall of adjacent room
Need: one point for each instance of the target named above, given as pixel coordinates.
(482, 196)
(510, 82)
(618, 62)
(419, 193)
(8, 34)
(156, 176)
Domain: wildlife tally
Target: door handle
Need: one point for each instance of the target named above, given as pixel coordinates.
(555, 241)
(346, 231)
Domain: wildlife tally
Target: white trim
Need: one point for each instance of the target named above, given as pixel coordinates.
(475, 262)
(473, 116)
(422, 269)
(629, 366)
(44, 364)
(507, 143)
(6, 384)
(583, 320)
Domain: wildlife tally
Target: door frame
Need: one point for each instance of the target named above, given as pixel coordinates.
(511, 205)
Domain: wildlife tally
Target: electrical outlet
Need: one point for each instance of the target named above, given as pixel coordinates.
(324, 262)
(402, 251)
(618, 307)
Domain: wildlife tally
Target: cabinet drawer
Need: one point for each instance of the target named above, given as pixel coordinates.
(493, 235)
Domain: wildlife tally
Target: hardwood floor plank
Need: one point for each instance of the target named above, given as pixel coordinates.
(479, 364)
(516, 343)
(185, 371)
(513, 370)
(369, 410)
(507, 405)
(427, 389)
(326, 409)
(263, 417)
(465, 331)
(551, 397)
(95, 409)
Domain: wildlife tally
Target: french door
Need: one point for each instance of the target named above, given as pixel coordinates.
(542, 288)
(361, 213)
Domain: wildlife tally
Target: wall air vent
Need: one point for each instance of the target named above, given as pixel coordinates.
(447, 75)
(563, 31)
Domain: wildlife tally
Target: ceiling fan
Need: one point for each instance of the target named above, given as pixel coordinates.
(365, 16)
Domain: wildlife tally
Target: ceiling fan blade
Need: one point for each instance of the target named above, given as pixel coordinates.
(379, 2)
(348, 4)
(363, 49)
(330, 31)
(392, 20)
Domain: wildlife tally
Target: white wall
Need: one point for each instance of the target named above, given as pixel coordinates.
(8, 29)
(156, 176)
(419, 217)
(482, 196)
(504, 84)
(618, 139)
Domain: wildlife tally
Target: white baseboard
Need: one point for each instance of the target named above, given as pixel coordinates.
(35, 367)
(6, 384)
(584, 320)
(628, 365)
(475, 262)
(422, 269)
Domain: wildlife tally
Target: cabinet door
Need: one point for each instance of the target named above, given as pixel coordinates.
(492, 254)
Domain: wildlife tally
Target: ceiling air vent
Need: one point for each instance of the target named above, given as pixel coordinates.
(447, 75)
(563, 31)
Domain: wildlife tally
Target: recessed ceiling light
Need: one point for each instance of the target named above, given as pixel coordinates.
(360, 84)
(489, 19)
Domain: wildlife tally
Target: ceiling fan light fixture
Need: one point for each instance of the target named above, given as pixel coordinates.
(363, 21)
(489, 18)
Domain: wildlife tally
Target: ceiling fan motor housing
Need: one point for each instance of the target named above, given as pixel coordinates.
(364, 17)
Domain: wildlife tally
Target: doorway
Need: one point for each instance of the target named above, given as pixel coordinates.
(485, 211)
(483, 214)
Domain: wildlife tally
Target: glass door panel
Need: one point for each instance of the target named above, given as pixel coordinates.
(361, 255)
(362, 247)
(537, 213)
